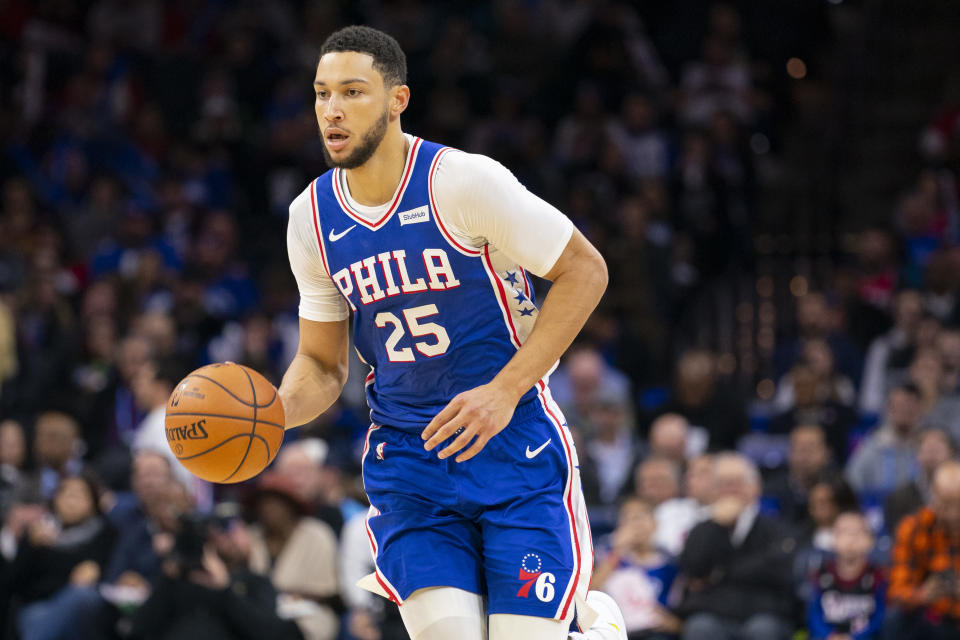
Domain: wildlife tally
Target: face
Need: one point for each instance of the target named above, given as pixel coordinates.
(699, 480)
(808, 451)
(13, 448)
(637, 517)
(353, 107)
(823, 508)
(903, 410)
(73, 503)
(304, 476)
(851, 536)
(55, 439)
(273, 511)
(733, 479)
(150, 477)
(656, 482)
(668, 437)
(933, 450)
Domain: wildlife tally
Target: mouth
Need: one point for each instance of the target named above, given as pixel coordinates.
(336, 139)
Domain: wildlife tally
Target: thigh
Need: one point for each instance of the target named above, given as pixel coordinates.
(441, 613)
(506, 626)
(538, 555)
(417, 536)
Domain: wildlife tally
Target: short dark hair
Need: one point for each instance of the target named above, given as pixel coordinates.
(388, 57)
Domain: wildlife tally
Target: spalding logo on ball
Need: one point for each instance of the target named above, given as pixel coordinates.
(224, 422)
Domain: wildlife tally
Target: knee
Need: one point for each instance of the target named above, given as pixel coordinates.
(702, 626)
(764, 626)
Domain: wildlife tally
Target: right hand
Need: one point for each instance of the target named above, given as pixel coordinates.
(726, 510)
(43, 532)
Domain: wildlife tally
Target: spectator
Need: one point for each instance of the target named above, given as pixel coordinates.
(57, 568)
(298, 553)
(56, 450)
(807, 459)
(830, 495)
(637, 575)
(704, 402)
(935, 447)
(579, 380)
(737, 563)
(887, 458)
(940, 407)
(657, 480)
(301, 464)
(670, 438)
(849, 591)
(677, 516)
(924, 597)
(889, 354)
(13, 454)
(612, 447)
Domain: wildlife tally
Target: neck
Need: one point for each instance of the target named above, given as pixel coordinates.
(373, 182)
(849, 568)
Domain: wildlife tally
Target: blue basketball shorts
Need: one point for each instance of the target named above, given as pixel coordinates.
(509, 524)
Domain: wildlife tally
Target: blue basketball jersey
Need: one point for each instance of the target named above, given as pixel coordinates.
(431, 317)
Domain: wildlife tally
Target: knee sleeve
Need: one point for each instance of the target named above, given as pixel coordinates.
(441, 613)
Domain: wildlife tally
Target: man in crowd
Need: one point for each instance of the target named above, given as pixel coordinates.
(924, 594)
(807, 458)
(737, 564)
(935, 447)
(677, 516)
(657, 480)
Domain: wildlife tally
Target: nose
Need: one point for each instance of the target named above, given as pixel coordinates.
(333, 112)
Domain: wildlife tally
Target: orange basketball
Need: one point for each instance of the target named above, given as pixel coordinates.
(224, 422)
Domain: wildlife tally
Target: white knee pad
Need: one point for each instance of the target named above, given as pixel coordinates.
(441, 613)
(507, 626)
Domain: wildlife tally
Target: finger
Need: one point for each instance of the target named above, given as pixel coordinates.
(477, 446)
(448, 412)
(459, 442)
(445, 431)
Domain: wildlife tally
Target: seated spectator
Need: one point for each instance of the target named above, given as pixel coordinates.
(704, 402)
(56, 450)
(924, 596)
(670, 437)
(612, 446)
(580, 378)
(301, 464)
(13, 454)
(830, 495)
(637, 575)
(935, 447)
(807, 458)
(59, 565)
(941, 408)
(848, 591)
(887, 458)
(737, 564)
(677, 516)
(657, 480)
(298, 553)
(890, 354)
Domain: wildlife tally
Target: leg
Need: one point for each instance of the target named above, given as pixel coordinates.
(706, 626)
(73, 612)
(508, 626)
(440, 613)
(764, 626)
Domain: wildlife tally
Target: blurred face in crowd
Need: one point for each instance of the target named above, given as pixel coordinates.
(904, 410)
(926, 371)
(608, 418)
(354, 107)
(303, 474)
(657, 480)
(852, 538)
(699, 479)
(668, 437)
(945, 499)
(13, 446)
(637, 522)
(275, 513)
(150, 476)
(806, 386)
(822, 505)
(135, 351)
(908, 311)
(819, 357)
(933, 450)
(585, 368)
(73, 503)
(695, 377)
(808, 453)
(735, 477)
(812, 314)
(55, 440)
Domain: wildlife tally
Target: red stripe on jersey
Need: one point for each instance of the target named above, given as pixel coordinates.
(436, 212)
(335, 178)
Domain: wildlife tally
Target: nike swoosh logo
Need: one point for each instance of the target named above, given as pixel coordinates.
(536, 452)
(336, 236)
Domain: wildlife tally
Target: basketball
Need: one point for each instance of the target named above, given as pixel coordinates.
(224, 422)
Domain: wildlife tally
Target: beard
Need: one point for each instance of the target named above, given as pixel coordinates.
(368, 145)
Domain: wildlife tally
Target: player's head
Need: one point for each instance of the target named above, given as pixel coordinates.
(361, 92)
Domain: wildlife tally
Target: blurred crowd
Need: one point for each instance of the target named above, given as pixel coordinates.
(149, 152)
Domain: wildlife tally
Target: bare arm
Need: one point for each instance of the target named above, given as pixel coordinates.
(579, 279)
(314, 379)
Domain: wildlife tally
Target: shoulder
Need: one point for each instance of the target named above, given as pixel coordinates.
(316, 529)
(302, 205)
(456, 166)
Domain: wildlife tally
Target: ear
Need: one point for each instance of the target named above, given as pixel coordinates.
(399, 99)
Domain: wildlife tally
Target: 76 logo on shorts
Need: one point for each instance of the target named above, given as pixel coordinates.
(531, 574)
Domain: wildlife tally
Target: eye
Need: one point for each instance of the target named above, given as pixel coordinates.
(321, 94)
(353, 92)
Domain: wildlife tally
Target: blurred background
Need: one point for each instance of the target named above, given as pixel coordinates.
(773, 184)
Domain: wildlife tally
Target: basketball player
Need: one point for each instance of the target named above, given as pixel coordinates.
(476, 506)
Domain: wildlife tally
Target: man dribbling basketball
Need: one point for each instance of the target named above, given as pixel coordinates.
(476, 506)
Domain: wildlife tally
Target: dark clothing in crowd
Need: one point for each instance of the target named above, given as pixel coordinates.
(855, 607)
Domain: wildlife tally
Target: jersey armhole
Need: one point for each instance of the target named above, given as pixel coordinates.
(467, 251)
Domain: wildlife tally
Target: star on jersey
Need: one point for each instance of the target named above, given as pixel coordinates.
(520, 297)
(526, 312)
(511, 277)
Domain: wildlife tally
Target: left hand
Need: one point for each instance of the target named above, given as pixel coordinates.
(214, 574)
(482, 412)
(85, 574)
